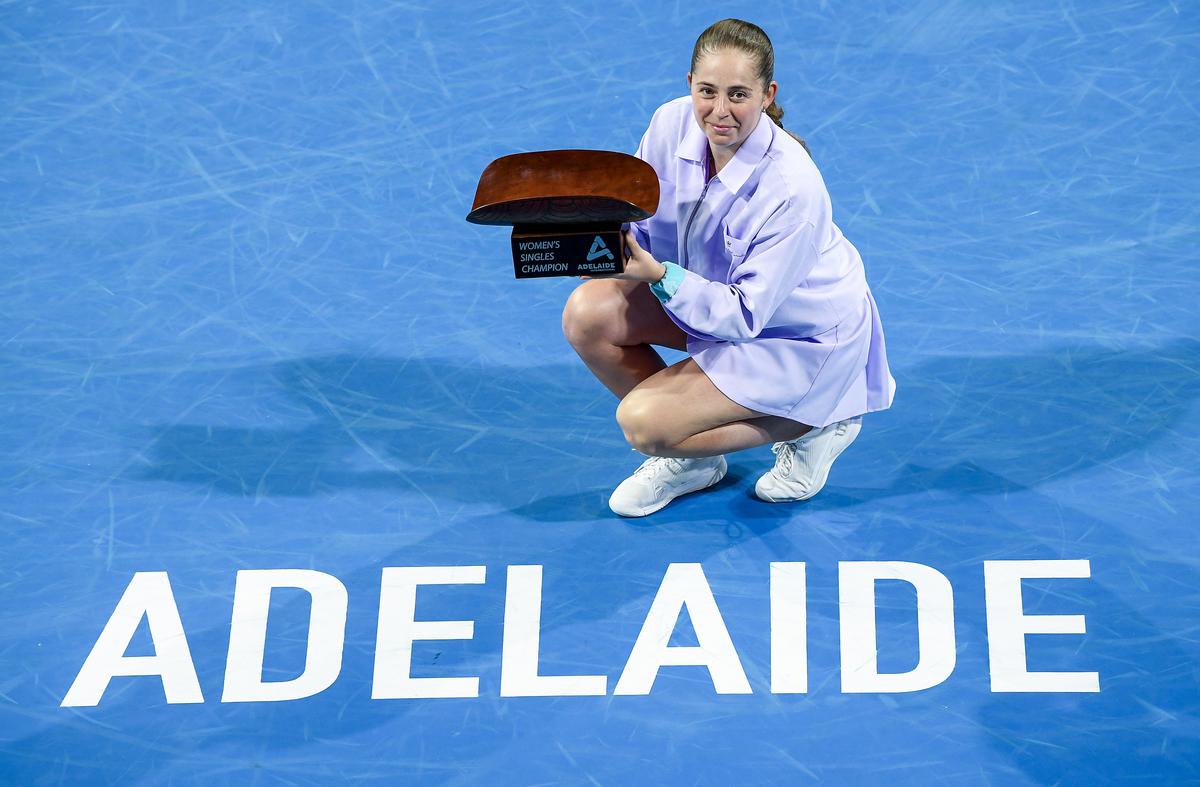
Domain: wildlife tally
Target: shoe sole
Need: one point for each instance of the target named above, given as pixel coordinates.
(717, 476)
(821, 479)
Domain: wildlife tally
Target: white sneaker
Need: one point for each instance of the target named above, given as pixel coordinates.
(802, 465)
(660, 480)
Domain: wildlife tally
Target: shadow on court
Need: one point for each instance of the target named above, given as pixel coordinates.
(966, 433)
(968, 425)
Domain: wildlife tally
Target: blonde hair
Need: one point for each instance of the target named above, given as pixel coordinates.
(752, 40)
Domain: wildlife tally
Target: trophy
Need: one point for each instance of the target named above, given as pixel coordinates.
(566, 208)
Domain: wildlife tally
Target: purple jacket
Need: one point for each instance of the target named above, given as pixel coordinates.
(773, 298)
(762, 254)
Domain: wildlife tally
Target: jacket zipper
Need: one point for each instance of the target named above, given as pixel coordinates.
(687, 229)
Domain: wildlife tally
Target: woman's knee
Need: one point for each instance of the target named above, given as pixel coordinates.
(642, 420)
(593, 311)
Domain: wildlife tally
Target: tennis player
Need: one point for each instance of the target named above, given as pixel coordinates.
(742, 267)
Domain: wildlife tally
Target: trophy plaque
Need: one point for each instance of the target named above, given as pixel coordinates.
(566, 208)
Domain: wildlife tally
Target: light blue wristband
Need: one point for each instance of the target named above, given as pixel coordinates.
(665, 287)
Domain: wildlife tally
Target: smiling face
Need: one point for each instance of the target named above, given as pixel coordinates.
(728, 99)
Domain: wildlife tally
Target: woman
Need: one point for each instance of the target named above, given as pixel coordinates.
(743, 268)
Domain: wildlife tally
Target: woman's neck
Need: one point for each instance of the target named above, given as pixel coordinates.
(717, 161)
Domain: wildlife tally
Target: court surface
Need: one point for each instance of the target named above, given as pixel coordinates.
(244, 327)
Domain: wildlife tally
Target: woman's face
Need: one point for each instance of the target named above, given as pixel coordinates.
(727, 98)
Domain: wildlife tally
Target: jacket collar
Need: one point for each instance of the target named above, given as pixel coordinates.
(693, 147)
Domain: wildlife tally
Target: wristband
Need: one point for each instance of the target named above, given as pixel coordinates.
(665, 287)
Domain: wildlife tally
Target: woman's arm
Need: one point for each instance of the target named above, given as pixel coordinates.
(777, 261)
(657, 147)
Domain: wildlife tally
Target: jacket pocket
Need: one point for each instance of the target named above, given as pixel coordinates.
(735, 250)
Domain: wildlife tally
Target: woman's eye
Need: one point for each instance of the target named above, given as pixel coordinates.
(740, 96)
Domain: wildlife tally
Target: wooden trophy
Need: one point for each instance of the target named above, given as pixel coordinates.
(566, 208)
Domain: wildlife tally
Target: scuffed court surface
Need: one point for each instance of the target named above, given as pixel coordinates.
(244, 326)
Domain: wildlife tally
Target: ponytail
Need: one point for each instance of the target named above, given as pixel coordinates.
(751, 39)
(775, 112)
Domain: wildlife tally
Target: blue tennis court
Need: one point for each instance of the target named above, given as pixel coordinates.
(300, 486)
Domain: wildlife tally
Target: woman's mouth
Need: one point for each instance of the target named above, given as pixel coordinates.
(721, 129)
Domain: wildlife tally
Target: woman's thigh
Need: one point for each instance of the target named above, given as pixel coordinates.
(623, 313)
(676, 403)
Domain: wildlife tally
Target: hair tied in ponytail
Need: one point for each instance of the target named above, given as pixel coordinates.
(750, 39)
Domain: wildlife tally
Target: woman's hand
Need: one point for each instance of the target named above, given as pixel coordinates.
(640, 266)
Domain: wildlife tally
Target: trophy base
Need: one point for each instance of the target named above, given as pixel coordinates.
(541, 250)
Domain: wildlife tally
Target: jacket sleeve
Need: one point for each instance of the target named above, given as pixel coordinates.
(657, 147)
(641, 230)
(763, 273)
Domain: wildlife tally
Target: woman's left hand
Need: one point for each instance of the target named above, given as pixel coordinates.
(640, 266)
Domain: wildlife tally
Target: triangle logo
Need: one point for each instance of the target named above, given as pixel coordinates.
(599, 250)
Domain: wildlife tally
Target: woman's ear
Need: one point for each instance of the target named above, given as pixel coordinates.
(689, 80)
(769, 97)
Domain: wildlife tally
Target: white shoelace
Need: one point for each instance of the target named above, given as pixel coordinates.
(784, 453)
(651, 466)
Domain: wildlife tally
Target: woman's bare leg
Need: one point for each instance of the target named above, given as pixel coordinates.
(611, 323)
(678, 412)
(737, 436)
(664, 411)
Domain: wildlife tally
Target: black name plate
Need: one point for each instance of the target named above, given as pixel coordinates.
(541, 250)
